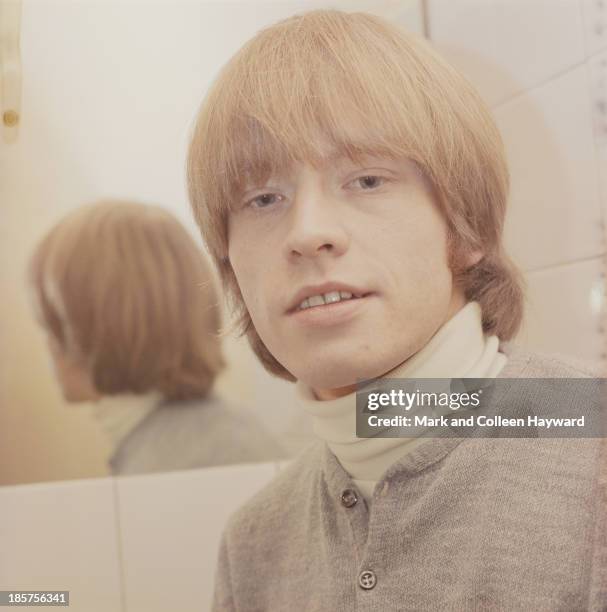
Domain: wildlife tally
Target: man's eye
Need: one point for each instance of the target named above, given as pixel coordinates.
(264, 200)
(368, 182)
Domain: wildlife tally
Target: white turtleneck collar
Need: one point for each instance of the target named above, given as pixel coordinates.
(459, 349)
(118, 415)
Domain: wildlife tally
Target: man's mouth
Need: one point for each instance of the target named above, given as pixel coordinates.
(324, 294)
(332, 297)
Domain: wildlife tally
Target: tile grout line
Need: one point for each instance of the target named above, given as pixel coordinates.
(121, 567)
(553, 77)
(586, 60)
(425, 19)
(561, 264)
(602, 314)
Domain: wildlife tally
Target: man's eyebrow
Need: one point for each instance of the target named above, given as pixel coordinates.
(335, 156)
(341, 159)
(261, 179)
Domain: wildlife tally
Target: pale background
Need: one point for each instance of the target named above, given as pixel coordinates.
(109, 93)
(110, 90)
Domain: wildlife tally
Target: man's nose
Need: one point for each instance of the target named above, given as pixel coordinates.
(316, 226)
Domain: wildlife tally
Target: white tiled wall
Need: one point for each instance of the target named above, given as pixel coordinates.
(566, 295)
(130, 544)
(170, 525)
(541, 66)
(508, 46)
(62, 537)
(595, 25)
(554, 213)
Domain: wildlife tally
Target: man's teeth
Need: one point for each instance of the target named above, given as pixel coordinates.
(326, 298)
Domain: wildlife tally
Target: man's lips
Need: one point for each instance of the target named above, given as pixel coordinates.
(324, 289)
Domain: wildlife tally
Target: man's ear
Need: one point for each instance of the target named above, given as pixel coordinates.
(462, 259)
(473, 258)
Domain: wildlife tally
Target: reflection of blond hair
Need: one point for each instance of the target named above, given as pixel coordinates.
(123, 287)
(352, 84)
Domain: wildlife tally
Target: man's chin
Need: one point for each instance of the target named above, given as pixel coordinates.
(340, 382)
(341, 376)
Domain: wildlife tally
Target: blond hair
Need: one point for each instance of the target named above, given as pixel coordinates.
(124, 288)
(359, 85)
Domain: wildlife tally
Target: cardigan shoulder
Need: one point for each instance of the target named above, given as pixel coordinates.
(526, 363)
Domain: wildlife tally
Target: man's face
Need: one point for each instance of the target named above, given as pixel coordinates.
(371, 230)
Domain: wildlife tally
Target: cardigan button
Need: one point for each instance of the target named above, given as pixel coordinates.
(349, 498)
(367, 580)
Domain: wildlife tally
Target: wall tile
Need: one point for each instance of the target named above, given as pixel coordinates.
(62, 536)
(171, 526)
(508, 46)
(562, 314)
(554, 211)
(595, 25)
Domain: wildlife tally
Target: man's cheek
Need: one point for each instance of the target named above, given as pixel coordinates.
(257, 301)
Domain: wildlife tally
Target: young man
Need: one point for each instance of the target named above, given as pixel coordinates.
(351, 187)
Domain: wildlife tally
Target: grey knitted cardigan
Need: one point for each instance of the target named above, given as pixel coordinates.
(457, 524)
